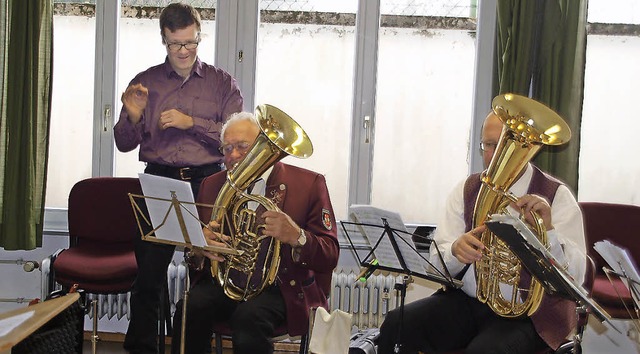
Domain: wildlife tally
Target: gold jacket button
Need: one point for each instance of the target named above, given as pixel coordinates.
(283, 187)
(292, 283)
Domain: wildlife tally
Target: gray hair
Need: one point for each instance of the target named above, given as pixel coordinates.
(235, 118)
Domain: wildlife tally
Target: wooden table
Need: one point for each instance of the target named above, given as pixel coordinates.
(43, 313)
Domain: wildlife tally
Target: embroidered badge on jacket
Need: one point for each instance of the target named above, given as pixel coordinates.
(276, 197)
(326, 219)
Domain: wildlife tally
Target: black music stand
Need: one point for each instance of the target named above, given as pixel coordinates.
(541, 264)
(168, 209)
(622, 265)
(383, 229)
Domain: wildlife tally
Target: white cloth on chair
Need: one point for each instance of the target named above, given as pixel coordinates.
(331, 332)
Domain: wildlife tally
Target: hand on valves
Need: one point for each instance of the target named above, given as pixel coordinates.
(468, 247)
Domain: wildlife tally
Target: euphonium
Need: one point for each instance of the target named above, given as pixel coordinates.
(528, 125)
(245, 276)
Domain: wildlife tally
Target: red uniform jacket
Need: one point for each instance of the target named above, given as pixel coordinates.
(303, 195)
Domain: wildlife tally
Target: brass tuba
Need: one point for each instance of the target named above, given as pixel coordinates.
(246, 275)
(528, 125)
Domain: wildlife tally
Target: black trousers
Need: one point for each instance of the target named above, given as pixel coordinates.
(153, 260)
(451, 320)
(253, 322)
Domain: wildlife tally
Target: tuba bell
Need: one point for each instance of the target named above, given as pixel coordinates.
(528, 125)
(246, 275)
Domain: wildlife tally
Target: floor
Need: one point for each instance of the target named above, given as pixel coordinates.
(111, 343)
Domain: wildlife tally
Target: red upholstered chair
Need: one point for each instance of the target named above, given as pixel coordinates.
(618, 223)
(223, 330)
(102, 229)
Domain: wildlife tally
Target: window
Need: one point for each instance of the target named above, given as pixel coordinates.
(309, 64)
(305, 68)
(71, 128)
(609, 171)
(423, 114)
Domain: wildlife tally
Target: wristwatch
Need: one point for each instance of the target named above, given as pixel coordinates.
(302, 239)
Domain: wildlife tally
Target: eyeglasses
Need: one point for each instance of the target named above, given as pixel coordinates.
(488, 146)
(242, 147)
(176, 47)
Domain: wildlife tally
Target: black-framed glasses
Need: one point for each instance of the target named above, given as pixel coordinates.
(175, 47)
(487, 146)
(242, 147)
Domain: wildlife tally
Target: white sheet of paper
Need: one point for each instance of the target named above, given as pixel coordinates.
(162, 187)
(618, 259)
(385, 253)
(8, 324)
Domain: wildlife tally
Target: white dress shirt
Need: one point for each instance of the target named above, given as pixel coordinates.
(566, 240)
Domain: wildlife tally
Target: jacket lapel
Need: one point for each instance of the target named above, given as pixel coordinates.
(276, 190)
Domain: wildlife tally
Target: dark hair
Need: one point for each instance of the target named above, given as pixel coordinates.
(178, 16)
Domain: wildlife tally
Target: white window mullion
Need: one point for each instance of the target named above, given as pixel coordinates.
(483, 85)
(236, 43)
(106, 54)
(364, 93)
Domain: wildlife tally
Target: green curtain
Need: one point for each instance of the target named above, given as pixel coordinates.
(541, 48)
(27, 48)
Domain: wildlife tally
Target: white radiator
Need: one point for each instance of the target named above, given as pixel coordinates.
(368, 302)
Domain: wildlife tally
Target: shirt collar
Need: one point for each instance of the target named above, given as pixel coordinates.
(197, 68)
(521, 186)
(260, 185)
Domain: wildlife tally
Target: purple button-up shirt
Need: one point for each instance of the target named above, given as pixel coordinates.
(209, 95)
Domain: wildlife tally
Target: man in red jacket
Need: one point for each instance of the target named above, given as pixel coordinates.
(305, 225)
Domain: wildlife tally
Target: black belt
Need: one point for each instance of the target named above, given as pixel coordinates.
(182, 173)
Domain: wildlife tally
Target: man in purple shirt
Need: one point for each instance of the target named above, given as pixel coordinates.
(174, 111)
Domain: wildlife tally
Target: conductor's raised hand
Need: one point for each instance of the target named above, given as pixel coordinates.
(134, 100)
(468, 247)
(214, 238)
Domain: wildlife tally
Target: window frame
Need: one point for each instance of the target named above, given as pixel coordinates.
(236, 46)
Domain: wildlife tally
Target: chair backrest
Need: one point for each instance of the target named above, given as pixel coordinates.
(618, 223)
(100, 210)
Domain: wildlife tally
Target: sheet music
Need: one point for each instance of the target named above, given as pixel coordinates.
(618, 259)
(384, 253)
(161, 187)
(10, 323)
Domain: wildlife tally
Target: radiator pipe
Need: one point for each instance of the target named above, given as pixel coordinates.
(28, 266)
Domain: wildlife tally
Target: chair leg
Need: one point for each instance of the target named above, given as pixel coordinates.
(164, 319)
(304, 343)
(218, 343)
(94, 331)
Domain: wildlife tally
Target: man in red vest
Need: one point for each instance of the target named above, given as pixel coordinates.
(454, 319)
